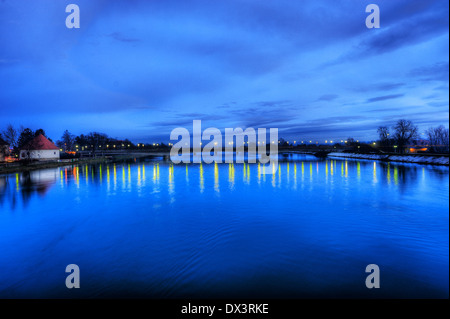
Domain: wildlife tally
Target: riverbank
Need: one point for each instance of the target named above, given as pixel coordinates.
(20, 167)
(406, 158)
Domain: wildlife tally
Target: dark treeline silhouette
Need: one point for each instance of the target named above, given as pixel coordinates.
(92, 142)
(404, 137)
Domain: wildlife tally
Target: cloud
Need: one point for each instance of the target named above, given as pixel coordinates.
(384, 98)
(120, 37)
(435, 72)
(405, 24)
(438, 104)
(328, 97)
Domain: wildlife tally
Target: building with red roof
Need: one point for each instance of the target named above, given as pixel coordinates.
(39, 148)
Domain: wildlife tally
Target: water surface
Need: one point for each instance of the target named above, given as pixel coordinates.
(148, 228)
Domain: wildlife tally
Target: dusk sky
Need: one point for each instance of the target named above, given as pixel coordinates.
(139, 69)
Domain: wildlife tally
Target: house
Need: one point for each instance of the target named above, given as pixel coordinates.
(39, 148)
(4, 150)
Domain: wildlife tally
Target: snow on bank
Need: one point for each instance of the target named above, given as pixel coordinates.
(440, 160)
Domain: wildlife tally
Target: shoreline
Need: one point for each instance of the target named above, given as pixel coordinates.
(53, 164)
(405, 158)
(440, 160)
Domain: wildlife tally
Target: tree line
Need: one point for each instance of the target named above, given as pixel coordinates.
(404, 133)
(93, 141)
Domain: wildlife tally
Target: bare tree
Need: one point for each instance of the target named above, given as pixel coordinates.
(10, 135)
(405, 132)
(67, 140)
(439, 139)
(384, 136)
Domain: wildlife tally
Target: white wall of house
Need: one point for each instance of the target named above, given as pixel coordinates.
(39, 155)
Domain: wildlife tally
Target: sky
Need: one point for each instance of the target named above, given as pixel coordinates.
(138, 69)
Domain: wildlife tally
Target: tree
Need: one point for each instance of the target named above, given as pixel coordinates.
(384, 135)
(405, 132)
(40, 131)
(26, 135)
(10, 135)
(439, 139)
(97, 140)
(67, 141)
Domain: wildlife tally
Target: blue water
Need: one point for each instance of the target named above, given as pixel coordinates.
(148, 228)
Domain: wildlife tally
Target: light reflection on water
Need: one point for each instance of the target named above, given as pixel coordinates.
(150, 228)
